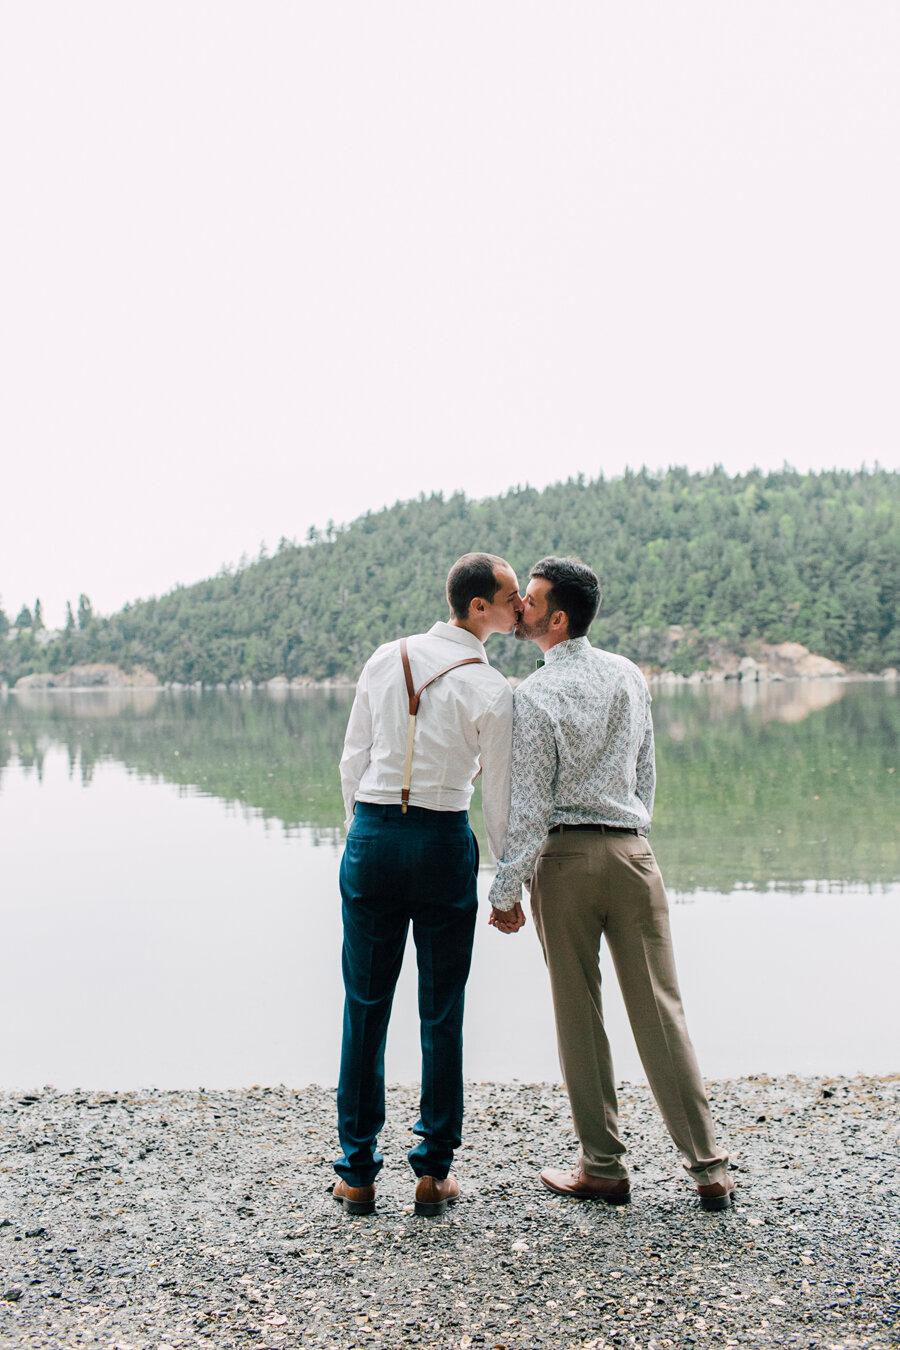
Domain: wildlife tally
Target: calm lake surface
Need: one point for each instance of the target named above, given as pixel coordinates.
(169, 908)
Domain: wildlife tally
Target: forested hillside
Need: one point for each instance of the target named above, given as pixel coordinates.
(782, 556)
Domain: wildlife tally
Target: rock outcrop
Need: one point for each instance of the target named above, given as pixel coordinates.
(791, 660)
(763, 663)
(100, 675)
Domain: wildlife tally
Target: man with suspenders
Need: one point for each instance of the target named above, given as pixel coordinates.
(429, 715)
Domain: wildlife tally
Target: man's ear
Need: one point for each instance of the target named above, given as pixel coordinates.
(560, 619)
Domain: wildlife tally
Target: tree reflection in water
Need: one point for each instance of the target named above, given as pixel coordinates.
(759, 786)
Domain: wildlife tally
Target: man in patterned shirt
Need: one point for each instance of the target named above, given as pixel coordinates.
(583, 779)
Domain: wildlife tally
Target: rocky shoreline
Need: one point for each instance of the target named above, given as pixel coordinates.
(787, 661)
(172, 1219)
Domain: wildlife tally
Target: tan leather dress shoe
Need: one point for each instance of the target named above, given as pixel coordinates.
(355, 1199)
(717, 1194)
(433, 1196)
(581, 1186)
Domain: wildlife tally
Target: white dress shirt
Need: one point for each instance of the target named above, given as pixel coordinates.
(583, 755)
(464, 724)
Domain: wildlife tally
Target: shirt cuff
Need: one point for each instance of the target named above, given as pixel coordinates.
(505, 892)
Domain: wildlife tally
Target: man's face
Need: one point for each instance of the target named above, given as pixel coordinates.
(506, 606)
(534, 620)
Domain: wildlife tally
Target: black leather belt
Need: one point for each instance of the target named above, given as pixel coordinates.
(600, 829)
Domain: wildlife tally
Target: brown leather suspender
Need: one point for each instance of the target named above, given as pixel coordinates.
(414, 696)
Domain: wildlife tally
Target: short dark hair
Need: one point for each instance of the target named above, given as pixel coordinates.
(574, 587)
(472, 576)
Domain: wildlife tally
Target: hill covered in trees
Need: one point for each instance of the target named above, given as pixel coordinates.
(775, 557)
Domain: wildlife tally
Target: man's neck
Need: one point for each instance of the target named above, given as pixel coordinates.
(548, 640)
(478, 630)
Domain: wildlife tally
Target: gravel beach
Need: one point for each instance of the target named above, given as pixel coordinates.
(154, 1219)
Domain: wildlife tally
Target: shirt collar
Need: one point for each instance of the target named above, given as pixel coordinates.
(562, 651)
(461, 635)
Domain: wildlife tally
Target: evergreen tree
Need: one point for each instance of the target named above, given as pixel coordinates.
(688, 563)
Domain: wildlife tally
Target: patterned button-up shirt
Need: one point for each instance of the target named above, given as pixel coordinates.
(582, 754)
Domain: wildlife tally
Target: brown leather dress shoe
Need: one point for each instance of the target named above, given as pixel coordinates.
(355, 1199)
(433, 1196)
(580, 1186)
(717, 1194)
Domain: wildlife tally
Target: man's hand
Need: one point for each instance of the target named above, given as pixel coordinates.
(508, 920)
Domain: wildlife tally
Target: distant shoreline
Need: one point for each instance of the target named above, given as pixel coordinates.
(282, 687)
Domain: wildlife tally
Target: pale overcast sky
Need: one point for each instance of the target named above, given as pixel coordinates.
(269, 264)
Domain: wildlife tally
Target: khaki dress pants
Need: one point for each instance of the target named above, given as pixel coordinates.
(588, 885)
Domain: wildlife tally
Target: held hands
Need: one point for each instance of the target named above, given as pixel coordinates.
(508, 920)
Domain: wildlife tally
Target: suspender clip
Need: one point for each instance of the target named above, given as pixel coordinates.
(414, 696)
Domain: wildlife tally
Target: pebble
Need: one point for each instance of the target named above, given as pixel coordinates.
(182, 1219)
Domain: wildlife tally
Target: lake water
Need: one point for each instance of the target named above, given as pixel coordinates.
(169, 909)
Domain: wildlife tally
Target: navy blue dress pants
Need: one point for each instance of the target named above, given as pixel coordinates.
(418, 868)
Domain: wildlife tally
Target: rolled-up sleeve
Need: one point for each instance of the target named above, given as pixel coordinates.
(534, 770)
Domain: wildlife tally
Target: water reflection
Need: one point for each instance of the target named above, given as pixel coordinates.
(216, 942)
(760, 785)
(78, 703)
(769, 700)
(795, 784)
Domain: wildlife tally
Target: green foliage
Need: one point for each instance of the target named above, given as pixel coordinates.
(780, 556)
